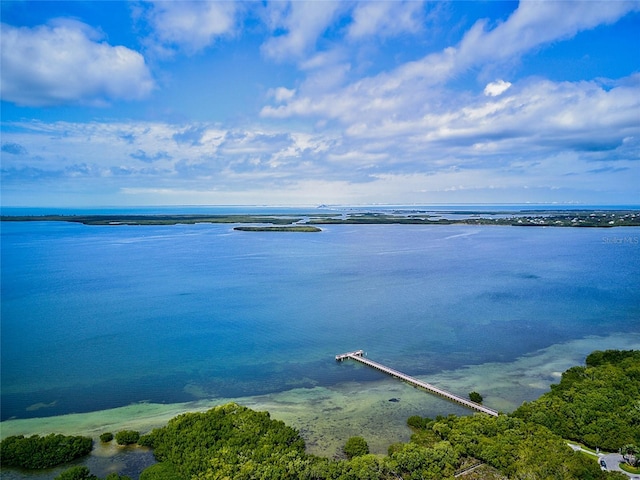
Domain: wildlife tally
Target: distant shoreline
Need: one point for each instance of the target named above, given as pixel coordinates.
(600, 218)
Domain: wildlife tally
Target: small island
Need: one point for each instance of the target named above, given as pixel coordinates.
(293, 228)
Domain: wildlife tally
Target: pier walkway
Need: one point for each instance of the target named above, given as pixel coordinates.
(358, 356)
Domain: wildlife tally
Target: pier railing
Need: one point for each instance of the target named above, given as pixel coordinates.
(358, 356)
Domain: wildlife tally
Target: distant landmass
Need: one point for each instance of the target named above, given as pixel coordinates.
(309, 222)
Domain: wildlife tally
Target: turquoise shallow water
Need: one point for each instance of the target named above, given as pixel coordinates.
(96, 317)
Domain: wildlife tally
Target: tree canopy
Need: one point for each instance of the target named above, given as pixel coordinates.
(356, 447)
(597, 404)
(127, 437)
(43, 452)
(226, 441)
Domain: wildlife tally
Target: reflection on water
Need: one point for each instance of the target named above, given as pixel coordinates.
(104, 459)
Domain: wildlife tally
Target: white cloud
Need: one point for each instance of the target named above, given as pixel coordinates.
(386, 19)
(400, 135)
(282, 94)
(496, 88)
(191, 26)
(504, 144)
(65, 62)
(533, 120)
(535, 116)
(537, 23)
(302, 24)
(416, 91)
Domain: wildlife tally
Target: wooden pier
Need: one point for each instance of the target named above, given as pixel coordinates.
(358, 356)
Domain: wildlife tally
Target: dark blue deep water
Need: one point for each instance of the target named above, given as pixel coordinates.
(95, 317)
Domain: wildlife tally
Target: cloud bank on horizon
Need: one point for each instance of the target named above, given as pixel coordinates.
(308, 102)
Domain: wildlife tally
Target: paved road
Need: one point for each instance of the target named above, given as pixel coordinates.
(612, 461)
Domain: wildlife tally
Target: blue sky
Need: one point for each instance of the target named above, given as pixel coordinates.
(310, 102)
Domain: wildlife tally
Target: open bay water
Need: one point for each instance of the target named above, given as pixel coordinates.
(100, 317)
